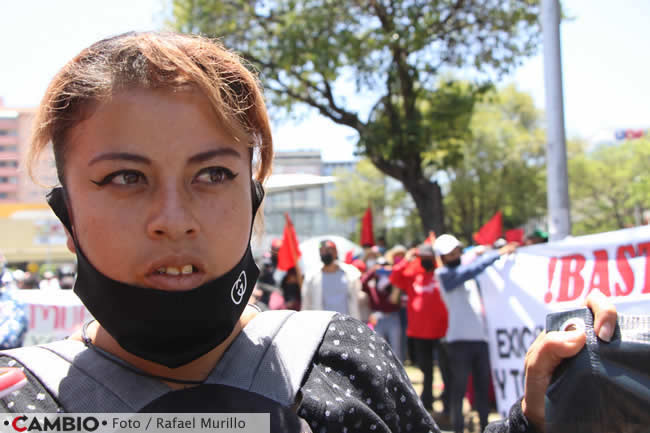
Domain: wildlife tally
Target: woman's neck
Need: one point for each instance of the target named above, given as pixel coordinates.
(196, 370)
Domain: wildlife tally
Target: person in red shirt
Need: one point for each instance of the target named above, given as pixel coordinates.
(427, 316)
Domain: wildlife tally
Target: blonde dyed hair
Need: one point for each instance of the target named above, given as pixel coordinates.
(156, 61)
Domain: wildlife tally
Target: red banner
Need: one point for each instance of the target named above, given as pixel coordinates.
(289, 252)
(490, 232)
(367, 236)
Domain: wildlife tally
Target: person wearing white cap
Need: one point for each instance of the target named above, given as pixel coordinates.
(466, 336)
(49, 282)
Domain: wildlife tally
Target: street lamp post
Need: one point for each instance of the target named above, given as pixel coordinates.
(556, 163)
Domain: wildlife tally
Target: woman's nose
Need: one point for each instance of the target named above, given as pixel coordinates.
(172, 215)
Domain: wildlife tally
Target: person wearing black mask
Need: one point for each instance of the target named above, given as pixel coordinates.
(467, 335)
(336, 286)
(162, 143)
(427, 318)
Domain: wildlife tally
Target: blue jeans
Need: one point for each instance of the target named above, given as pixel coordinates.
(469, 357)
(389, 327)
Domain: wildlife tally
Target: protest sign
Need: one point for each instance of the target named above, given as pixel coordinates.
(520, 289)
(53, 315)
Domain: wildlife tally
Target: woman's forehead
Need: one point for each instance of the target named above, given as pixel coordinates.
(150, 120)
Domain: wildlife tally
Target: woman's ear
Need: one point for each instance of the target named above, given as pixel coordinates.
(69, 242)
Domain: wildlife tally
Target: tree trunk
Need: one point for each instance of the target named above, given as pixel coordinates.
(428, 200)
(426, 195)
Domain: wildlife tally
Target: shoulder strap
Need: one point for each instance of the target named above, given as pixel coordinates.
(83, 381)
(273, 353)
(269, 357)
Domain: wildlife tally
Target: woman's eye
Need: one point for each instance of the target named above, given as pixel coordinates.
(126, 177)
(215, 175)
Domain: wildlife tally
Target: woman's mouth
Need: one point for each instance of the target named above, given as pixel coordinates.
(175, 278)
(174, 271)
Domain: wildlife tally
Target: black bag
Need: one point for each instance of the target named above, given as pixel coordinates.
(605, 388)
(228, 400)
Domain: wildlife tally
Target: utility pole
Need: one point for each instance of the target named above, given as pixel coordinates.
(559, 217)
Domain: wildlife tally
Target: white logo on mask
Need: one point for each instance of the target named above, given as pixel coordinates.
(239, 288)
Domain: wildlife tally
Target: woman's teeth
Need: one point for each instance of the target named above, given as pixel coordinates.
(171, 270)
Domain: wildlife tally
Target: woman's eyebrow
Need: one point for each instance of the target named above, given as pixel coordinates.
(120, 156)
(195, 159)
(206, 156)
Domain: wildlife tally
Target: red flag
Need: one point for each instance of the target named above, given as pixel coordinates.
(490, 232)
(289, 252)
(367, 237)
(515, 235)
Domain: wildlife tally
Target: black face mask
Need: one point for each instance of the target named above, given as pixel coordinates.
(168, 328)
(427, 264)
(327, 258)
(453, 263)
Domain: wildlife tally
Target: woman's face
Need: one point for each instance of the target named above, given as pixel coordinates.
(160, 194)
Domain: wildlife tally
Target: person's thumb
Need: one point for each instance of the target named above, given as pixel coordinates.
(556, 346)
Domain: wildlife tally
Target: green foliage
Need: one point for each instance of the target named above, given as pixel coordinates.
(609, 186)
(435, 131)
(367, 186)
(392, 50)
(502, 167)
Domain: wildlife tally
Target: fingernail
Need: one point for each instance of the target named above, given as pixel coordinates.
(606, 332)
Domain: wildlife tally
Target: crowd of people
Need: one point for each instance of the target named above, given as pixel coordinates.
(424, 301)
(49, 278)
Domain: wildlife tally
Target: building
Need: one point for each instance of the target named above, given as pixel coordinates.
(299, 187)
(15, 136)
(303, 197)
(306, 161)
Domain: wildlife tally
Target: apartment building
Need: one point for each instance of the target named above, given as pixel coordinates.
(15, 183)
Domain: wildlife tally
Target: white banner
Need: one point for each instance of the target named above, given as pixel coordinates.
(519, 290)
(53, 314)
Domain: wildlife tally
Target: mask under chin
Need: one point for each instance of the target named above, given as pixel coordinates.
(168, 328)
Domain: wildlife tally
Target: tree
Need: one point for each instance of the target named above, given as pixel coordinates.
(393, 51)
(609, 186)
(367, 186)
(503, 166)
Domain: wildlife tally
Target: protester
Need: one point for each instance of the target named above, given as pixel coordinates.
(13, 312)
(371, 255)
(385, 312)
(161, 143)
(538, 236)
(49, 282)
(291, 289)
(19, 278)
(66, 277)
(381, 244)
(336, 286)
(394, 256)
(467, 334)
(427, 319)
(266, 284)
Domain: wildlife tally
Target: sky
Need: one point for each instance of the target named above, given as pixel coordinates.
(605, 45)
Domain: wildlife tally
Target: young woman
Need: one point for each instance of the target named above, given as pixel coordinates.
(162, 142)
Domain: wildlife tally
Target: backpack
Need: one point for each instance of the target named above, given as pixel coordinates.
(270, 357)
